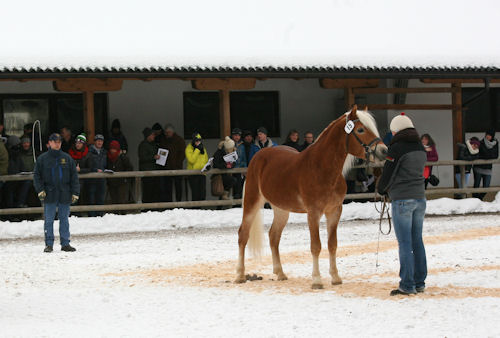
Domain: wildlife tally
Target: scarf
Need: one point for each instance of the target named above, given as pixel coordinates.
(489, 144)
(113, 157)
(78, 154)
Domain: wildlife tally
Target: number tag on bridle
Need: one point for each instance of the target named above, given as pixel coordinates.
(349, 126)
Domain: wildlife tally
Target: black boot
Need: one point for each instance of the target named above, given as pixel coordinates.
(67, 248)
(397, 292)
(48, 248)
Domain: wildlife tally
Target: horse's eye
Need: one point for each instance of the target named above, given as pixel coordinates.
(361, 130)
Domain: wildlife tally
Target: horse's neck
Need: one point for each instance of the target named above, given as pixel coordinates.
(330, 148)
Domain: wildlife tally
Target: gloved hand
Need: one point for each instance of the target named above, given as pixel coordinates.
(200, 147)
(74, 199)
(41, 195)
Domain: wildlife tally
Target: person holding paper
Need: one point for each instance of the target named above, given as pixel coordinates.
(148, 154)
(224, 159)
(197, 157)
(176, 147)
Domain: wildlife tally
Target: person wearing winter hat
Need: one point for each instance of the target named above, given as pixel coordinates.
(197, 157)
(488, 150)
(466, 152)
(79, 152)
(148, 154)
(224, 148)
(236, 136)
(432, 156)
(261, 142)
(118, 161)
(117, 135)
(96, 187)
(403, 181)
(56, 192)
(176, 147)
(158, 130)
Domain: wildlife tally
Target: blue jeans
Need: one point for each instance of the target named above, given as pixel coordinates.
(458, 177)
(477, 182)
(50, 214)
(408, 217)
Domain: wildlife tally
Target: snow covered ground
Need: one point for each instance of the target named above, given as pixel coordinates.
(138, 275)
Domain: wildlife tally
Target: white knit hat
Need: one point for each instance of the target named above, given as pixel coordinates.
(400, 122)
(228, 144)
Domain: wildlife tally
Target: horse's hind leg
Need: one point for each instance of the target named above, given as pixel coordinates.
(279, 222)
(313, 220)
(251, 207)
(333, 218)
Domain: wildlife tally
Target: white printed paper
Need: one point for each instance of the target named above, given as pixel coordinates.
(208, 166)
(163, 156)
(231, 157)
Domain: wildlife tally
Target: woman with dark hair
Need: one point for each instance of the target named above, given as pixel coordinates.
(292, 140)
(432, 155)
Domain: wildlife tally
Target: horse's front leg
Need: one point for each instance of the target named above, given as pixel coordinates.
(333, 218)
(313, 220)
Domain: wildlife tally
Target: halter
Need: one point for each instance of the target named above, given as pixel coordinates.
(368, 151)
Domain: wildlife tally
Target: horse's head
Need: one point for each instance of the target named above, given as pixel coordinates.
(362, 137)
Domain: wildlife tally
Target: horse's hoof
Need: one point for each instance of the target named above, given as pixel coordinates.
(337, 282)
(317, 286)
(240, 280)
(282, 276)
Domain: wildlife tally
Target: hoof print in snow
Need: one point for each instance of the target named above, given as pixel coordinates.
(253, 277)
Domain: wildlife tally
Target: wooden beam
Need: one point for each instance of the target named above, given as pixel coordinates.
(349, 98)
(402, 90)
(410, 106)
(457, 117)
(458, 80)
(87, 85)
(88, 115)
(224, 113)
(224, 84)
(343, 83)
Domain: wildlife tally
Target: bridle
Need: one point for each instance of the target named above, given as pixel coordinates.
(367, 147)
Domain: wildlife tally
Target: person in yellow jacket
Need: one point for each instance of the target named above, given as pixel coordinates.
(197, 157)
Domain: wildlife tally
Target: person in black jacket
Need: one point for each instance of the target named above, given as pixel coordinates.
(402, 179)
(466, 152)
(16, 165)
(56, 183)
(96, 187)
(488, 150)
(292, 140)
(117, 135)
(225, 147)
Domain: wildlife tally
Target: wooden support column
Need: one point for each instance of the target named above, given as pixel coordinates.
(457, 119)
(88, 117)
(349, 98)
(224, 113)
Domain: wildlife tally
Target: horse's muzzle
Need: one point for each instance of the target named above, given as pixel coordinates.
(381, 151)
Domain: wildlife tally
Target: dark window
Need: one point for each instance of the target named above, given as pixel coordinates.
(53, 110)
(201, 114)
(249, 110)
(484, 112)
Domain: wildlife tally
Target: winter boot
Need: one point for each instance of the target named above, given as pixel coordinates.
(225, 195)
(48, 248)
(67, 248)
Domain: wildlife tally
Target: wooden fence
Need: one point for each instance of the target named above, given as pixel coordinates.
(138, 175)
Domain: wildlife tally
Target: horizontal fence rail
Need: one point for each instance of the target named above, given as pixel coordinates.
(138, 175)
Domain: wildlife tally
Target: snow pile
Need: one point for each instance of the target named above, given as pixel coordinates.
(191, 218)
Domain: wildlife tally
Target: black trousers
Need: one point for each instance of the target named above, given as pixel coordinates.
(151, 189)
(168, 185)
(238, 186)
(198, 185)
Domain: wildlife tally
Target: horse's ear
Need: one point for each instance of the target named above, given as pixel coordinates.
(352, 115)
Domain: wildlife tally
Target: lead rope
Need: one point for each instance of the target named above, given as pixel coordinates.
(384, 209)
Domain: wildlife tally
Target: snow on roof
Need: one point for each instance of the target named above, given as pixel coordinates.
(96, 35)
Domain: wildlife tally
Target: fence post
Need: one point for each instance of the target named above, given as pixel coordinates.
(138, 190)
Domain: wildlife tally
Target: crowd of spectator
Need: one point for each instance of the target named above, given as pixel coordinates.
(17, 155)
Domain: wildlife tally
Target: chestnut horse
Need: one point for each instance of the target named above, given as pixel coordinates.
(309, 182)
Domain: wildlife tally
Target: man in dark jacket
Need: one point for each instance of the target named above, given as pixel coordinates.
(403, 180)
(96, 187)
(148, 154)
(488, 150)
(117, 135)
(118, 161)
(176, 154)
(56, 183)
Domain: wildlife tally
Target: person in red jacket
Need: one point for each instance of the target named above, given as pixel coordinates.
(432, 155)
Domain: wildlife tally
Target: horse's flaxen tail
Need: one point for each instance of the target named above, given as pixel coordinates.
(256, 228)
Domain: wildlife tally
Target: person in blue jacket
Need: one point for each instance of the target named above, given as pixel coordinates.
(56, 182)
(261, 142)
